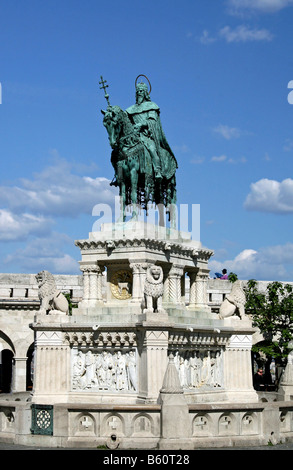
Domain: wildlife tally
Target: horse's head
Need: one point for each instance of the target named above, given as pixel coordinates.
(113, 121)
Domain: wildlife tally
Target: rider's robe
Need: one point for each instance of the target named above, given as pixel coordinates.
(153, 137)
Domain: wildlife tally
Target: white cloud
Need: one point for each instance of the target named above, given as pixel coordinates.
(221, 158)
(206, 38)
(57, 191)
(181, 148)
(227, 132)
(45, 253)
(271, 196)
(243, 33)
(197, 160)
(15, 227)
(268, 263)
(264, 6)
(29, 210)
(288, 146)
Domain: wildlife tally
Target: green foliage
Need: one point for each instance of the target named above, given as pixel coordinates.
(232, 277)
(70, 304)
(272, 313)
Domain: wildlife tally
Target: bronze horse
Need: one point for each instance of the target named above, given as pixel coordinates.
(134, 173)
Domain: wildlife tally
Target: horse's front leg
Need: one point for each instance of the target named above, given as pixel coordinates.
(134, 182)
(122, 203)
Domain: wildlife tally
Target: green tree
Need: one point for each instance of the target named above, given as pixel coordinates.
(272, 313)
(70, 304)
(232, 277)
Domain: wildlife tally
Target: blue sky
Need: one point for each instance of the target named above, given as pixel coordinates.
(219, 71)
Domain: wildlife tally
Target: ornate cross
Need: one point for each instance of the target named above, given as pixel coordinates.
(86, 422)
(104, 86)
(113, 424)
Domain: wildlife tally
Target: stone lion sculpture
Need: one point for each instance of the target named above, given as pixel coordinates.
(153, 289)
(234, 302)
(51, 299)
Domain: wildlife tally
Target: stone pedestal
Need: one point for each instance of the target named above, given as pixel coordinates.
(175, 420)
(125, 250)
(286, 385)
(19, 375)
(52, 360)
(114, 350)
(153, 363)
(237, 359)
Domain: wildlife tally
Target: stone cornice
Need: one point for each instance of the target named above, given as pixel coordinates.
(106, 338)
(197, 339)
(167, 247)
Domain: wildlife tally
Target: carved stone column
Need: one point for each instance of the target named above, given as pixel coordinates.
(92, 283)
(192, 289)
(166, 297)
(201, 299)
(86, 283)
(18, 383)
(175, 275)
(95, 275)
(138, 277)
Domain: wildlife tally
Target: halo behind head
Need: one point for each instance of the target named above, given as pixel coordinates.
(150, 87)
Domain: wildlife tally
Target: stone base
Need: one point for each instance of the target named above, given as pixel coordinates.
(286, 391)
(176, 444)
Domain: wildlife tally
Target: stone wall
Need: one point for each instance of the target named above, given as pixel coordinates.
(19, 303)
(127, 424)
(140, 426)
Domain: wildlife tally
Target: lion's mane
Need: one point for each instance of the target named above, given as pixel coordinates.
(46, 284)
(154, 287)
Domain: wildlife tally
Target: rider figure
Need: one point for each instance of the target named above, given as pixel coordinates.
(145, 115)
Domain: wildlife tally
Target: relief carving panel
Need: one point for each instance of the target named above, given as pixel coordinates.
(104, 370)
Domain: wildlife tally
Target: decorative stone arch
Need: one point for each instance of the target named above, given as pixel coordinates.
(249, 423)
(285, 417)
(30, 366)
(19, 346)
(7, 352)
(113, 424)
(85, 424)
(227, 425)
(201, 425)
(143, 425)
(6, 342)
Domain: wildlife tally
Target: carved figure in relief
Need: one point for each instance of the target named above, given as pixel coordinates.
(79, 370)
(131, 368)
(199, 369)
(218, 370)
(153, 289)
(90, 366)
(120, 370)
(234, 302)
(51, 299)
(104, 371)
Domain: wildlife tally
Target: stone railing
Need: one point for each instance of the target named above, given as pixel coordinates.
(23, 289)
(140, 426)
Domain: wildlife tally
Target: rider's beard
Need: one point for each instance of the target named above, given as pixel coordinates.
(139, 99)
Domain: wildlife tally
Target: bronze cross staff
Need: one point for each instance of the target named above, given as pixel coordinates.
(102, 82)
